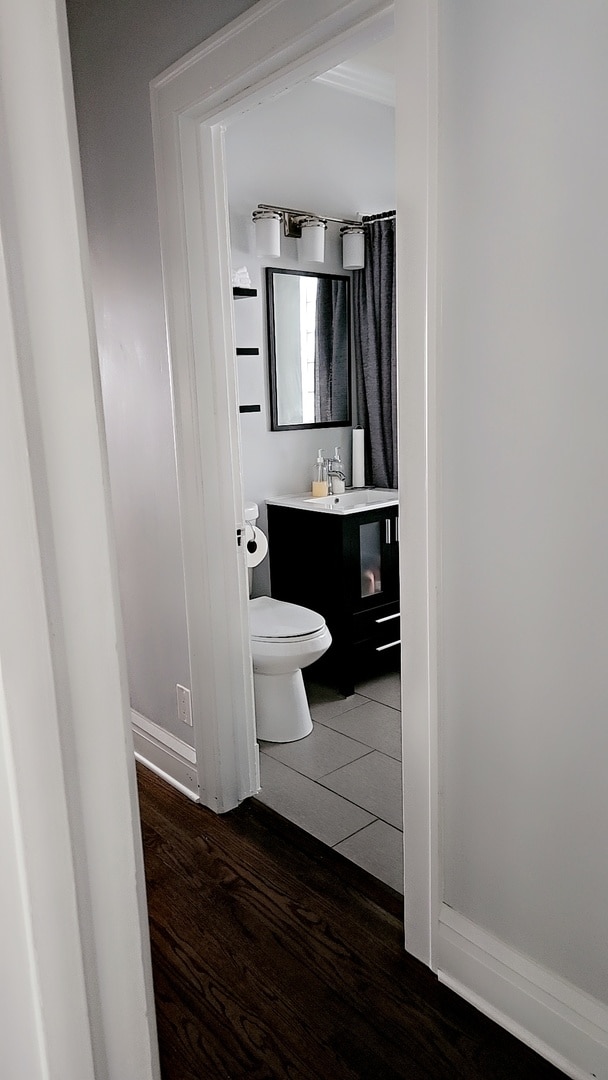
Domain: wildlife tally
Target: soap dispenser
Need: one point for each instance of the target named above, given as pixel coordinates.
(319, 477)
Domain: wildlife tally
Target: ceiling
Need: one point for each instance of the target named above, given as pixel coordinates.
(379, 57)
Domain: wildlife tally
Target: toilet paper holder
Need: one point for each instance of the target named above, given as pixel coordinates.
(256, 545)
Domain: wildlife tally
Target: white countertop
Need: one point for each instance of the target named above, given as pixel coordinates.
(353, 501)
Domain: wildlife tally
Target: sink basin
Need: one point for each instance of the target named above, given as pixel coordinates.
(355, 500)
(351, 502)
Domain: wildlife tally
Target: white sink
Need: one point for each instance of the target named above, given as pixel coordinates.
(351, 502)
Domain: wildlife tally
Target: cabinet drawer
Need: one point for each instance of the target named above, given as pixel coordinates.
(381, 623)
(373, 656)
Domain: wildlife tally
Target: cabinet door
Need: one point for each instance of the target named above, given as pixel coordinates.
(376, 547)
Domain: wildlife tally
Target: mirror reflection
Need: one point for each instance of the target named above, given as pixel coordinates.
(308, 348)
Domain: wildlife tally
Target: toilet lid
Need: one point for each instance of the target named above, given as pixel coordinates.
(270, 618)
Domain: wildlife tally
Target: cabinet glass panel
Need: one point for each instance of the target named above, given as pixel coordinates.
(370, 548)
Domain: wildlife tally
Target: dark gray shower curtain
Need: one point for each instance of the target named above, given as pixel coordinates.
(331, 352)
(374, 317)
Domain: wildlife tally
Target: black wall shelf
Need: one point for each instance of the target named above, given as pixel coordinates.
(238, 293)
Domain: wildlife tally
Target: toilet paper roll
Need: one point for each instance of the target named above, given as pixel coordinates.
(256, 545)
(358, 457)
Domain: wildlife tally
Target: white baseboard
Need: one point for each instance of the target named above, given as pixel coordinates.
(165, 754)
(563, 1024)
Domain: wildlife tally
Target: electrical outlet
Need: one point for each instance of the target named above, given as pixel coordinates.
(184, 705)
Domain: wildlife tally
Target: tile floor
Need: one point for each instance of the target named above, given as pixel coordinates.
(342, 783)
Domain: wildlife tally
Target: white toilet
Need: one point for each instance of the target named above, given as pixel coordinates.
(284, 639)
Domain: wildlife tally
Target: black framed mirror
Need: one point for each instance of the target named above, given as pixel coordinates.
(308, 321)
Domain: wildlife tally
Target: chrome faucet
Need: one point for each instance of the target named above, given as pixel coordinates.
(335, 472)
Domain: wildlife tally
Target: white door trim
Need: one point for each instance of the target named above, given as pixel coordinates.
(78, 999)
(271, 47)
(418, 331)
(44, 1024)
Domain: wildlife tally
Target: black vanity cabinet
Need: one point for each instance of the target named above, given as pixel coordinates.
(346, 567)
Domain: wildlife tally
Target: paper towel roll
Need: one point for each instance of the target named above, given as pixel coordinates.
(256, 545)
(358, 457)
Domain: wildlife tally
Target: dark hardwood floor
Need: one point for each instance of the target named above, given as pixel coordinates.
(274, 957)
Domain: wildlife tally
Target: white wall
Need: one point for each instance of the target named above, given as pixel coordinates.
(117, 47)
(523, 241)
(316, 148)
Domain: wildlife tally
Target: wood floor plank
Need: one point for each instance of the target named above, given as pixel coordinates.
(275, 957)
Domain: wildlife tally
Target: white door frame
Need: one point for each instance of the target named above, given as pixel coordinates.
(274, 45)
(416, 33)
(78, 1000)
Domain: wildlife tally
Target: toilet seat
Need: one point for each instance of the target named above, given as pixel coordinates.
(275, 620)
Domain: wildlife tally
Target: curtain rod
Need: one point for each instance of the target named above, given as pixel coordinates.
(386, 216)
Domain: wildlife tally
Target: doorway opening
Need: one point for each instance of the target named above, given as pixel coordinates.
(260, 56)
(342, 783)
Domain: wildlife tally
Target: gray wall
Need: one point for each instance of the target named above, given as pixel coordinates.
(316, 148)
(524, 236)
(117, 47)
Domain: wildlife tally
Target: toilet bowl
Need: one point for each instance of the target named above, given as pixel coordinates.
(284, 639)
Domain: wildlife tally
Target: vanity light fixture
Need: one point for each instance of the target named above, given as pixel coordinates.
(353, 247)
(311, 245)
(267, 225)
(309, 230)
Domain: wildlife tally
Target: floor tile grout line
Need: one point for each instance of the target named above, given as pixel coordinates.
(377, 701)
(366, 701)
(338, 716)
(365, 747)
(351, 737)
(338, 795)
(356, 832)
(341, 712)
(373, 750)
(361, 807)
(368, 750)
(318, 779)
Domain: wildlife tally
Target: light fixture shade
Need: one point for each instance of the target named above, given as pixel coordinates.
(311, 245)
(353, 247)
(267, 224)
